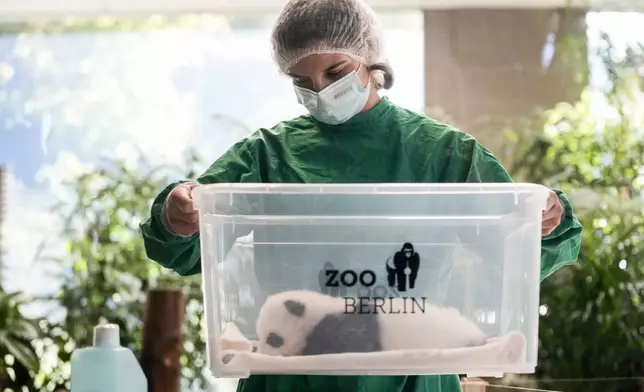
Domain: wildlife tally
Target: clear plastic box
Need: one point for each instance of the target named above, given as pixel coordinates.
(321, 279)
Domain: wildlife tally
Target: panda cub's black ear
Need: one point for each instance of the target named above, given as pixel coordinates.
(295, 308)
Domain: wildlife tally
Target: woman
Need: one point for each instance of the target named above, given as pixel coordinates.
(332, 50)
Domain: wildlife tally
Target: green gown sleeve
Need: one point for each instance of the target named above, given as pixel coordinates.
(559, 248)
(183, 253)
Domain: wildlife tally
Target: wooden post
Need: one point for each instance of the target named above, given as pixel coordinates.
(162, 341)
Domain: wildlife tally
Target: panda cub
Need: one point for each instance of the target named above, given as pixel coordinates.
(309, 323)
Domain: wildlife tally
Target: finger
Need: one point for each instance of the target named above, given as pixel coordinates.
(554, 205)
(179, 221)
(191, 186)
(183, 228)
(182, 200)
(550, 224)
(185, 218)
(548, 227)
(554, 221)
(553, 213)
(552, 201)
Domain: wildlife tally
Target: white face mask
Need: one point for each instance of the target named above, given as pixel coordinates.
(338, 102)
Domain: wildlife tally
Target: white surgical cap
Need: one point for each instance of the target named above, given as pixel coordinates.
(350, 27)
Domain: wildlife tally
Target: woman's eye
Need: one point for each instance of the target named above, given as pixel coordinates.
(300, 81)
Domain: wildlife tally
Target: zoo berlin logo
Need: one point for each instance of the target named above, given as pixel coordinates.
(402, 271)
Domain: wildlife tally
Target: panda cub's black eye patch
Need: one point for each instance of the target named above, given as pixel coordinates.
(274, 340)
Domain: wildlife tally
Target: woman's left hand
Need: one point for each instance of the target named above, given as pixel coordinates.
(552, 215)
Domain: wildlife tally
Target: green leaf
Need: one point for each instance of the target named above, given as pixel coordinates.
(23, 352)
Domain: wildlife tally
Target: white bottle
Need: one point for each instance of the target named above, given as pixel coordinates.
(106, 366)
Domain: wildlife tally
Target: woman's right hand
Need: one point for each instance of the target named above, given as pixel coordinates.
(180, 214)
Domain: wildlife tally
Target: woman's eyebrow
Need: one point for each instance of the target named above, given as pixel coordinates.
(329, 68)
(339, 63)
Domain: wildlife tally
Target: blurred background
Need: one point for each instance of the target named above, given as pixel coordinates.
(103, 103)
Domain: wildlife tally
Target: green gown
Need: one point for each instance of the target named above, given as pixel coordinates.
(387, 144)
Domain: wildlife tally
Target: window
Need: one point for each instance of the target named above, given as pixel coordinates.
(73, 91)
(76, 90)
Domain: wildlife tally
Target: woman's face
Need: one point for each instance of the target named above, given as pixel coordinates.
(318, 71)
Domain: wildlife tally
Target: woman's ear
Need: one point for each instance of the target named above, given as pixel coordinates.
(383, 75)
(377, 79)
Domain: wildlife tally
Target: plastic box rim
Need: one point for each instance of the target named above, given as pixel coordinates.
(202, 192)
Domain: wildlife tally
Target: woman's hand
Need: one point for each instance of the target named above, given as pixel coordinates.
(552, 215)
(180, 214)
